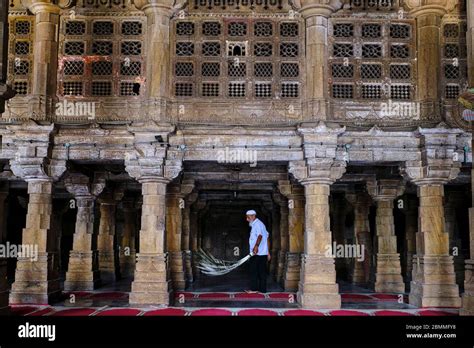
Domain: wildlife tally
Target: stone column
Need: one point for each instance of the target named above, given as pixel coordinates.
(275, 242)
(388, 276)
(361, 202)
(318, 287)
(4, 309)
(316, 14)
(296, 216)
(428, 24)
(127, 255)
(339, 210)
(151, 285)
(283, 241)
(158, 66)
(434, 280)
(468, 296)
(83, 271)
(195, 235)
(470, 41)
(45, 63)
(105, 240)
(35, 279)
(186, 240)
(455, 246)
(411, 228)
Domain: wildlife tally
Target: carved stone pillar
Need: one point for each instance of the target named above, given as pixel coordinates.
(296, 219)
(317, 287)
(388, 277)
(175, 205)
(433, 281)
(151, 285)
(46, 57)
(4, 309)
(106, 237)
(468, 296)
(83, 271)
(411, 228)
(455, 248)
(127, 255)
(361, 202)
(275, 242)
(339, 210)
(35, 279)
(470, 41)
(158, 67)
(316, 14)
(186, 239)
(283, 240)
(428, 17)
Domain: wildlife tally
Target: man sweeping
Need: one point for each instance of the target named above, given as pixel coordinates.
(259, 247)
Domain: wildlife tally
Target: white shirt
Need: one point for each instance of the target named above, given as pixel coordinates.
(258, 229)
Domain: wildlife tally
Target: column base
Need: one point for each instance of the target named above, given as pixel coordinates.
(318, 288)
(81, 275)
(388, 277)
(107, 267)
(291, 276)
(150, 286)
(188, 265)
(468, 296)
(178, 278)
(434, 282)
(281, 266)
(127, 265)
(32, 285)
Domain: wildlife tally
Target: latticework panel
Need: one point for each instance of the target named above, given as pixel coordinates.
(102, 56)
(237, 58)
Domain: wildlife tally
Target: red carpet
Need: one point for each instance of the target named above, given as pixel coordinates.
(22, 310)
(211, 312)
(177, 312)
(257, 312)
(185, 294)
(348, 313)
(110, 295)
(41, 312)
(218, 295)
(120, 312)
(282, 295)
(74, 312)
(302, 312)
(249, 296)
(355, 296)
(389, 313)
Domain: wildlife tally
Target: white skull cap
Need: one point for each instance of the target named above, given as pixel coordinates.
(251, 212)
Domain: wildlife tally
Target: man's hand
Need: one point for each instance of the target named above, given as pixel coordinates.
(255, 249)
(269, 257)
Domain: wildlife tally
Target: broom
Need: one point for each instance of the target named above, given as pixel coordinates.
(211, 266)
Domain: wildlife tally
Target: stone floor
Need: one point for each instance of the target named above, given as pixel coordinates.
(226, 296)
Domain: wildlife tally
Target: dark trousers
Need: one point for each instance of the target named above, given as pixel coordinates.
(258, 273)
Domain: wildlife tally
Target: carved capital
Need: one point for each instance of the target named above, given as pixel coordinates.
(439, 162)
(325, 8)
(80, 185)
(50, 6)
(423, 7)
(385, 189)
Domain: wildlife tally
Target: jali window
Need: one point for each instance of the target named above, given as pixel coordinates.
(237, 58)
(102, 57)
